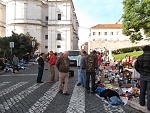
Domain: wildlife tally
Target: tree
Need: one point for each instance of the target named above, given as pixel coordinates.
(136, 17)
(22, 44)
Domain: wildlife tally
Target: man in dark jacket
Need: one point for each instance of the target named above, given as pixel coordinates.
(63, 68)
(91, 67)
(142, 65)
(40, 67)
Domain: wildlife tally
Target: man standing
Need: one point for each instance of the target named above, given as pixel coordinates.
(99, 62)
(142, 65)
(40, 67)
(15, 63)
(52, 63)
(83, 68)
(79, 70)
(91, 67)
(63, 68)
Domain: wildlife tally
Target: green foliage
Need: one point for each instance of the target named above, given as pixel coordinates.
(22, 44)
(129, 49)
(136, 17)
(122, 55)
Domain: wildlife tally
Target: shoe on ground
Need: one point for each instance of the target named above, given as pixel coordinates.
(78, 84)
(60, 91)
(40, 82)
(66, 94)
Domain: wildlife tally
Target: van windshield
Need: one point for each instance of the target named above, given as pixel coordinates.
(74, 53)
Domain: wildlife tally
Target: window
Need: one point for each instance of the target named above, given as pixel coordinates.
(46, 37)
(111, 33)
(46, 18)
(59, 36)
(59, 16)
(105, 33)
(58, 46)
(118, 33)
(74, 52)
(94, 33)
(99, 33)
(46, 47)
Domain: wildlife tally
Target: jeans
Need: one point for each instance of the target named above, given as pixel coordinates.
(79, 75)
(92, 75)
(99, 70)
(83, 77)
(40, 74)
(145, 86)
(15, 67)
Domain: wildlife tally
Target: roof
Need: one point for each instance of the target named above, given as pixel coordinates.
(111, 26)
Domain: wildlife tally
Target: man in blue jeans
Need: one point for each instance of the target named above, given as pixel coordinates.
(83, 68)
(142, 65)
(40, 67)
(79, 70)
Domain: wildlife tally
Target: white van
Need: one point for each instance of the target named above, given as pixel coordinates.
(73, 54)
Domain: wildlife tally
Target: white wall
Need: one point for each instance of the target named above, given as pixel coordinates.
(30, 16)
(117, 34)
(2, 19)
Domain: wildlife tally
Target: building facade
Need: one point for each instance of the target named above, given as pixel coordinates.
(111, 37)
(107, 32)
(52, 22)
(2, 18)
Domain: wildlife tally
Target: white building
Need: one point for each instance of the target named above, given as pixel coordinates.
(52, 22)
(111, 37)
(2, 18)
(107, 32)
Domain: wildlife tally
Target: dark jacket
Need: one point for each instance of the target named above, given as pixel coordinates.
(63, 65)
(40, 62)
(91, 63)
(142, 64)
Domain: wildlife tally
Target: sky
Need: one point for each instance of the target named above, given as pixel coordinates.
(92, 12)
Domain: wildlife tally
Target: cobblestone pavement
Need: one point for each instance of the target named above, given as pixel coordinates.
(19, 93)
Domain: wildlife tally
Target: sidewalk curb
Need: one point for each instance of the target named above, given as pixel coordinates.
(138, 106)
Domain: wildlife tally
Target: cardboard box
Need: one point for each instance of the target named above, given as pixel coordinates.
(103, 79)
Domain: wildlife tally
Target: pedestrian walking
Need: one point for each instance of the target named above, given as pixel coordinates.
(142, 65)
(52, 63)
(91, 68)
(40, 61)
(15, 63)
(79, 70)
(63, 68)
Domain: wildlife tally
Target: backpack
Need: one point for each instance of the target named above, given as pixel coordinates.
(91, 63)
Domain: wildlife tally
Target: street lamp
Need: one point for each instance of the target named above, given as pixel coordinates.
(33, 45)
(11, 44)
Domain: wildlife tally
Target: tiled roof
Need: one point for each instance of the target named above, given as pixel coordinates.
(106, 26)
